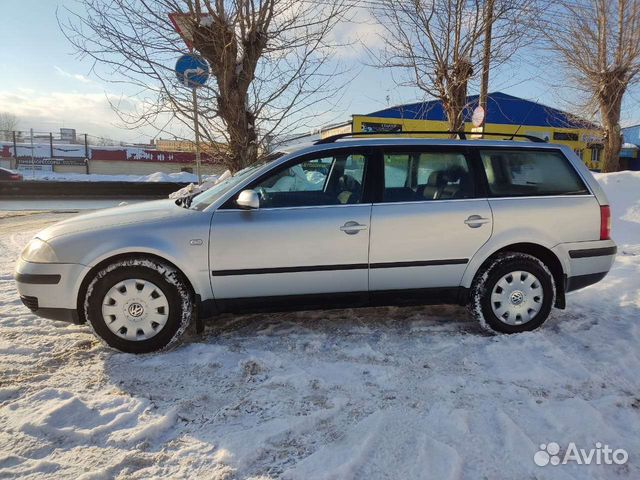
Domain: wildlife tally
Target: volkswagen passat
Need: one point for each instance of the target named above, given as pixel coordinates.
(502, 226)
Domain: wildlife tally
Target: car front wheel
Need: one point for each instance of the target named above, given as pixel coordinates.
(138, 305)
(513, 293)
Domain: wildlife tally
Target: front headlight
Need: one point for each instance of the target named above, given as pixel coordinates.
(39, 251)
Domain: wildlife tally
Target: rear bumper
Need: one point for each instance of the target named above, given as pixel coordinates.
(580, 281)
(585, 263)
(50, 290)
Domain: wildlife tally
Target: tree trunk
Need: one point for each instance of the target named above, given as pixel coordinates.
(243, 138)
(456, 100)
(610, 98)
(454, 117)
(612, 146)
(233, 72)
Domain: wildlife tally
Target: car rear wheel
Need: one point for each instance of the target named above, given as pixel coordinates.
(138, 305)
(513, 293)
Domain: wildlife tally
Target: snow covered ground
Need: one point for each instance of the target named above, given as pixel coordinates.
(394, 393)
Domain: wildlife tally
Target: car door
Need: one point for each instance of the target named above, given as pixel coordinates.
(428, 221)
(309, 237)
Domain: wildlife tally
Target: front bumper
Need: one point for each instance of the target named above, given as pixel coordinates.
(50, 290)
(62, 314)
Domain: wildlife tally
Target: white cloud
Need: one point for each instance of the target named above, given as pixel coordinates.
(356, 36)
(86, 112)
(75, 76)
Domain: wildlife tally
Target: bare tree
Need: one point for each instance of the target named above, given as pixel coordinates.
(438, 43)
(270, 62)
(598, 42)
(8, 124)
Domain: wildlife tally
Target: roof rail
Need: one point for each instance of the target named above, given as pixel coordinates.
(461, 135)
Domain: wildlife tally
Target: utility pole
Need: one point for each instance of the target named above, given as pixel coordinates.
(15, 149)
(486, 59)
(196, 127)
(33, 167)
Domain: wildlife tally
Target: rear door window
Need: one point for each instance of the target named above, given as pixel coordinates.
(420, 176)
(517, 173)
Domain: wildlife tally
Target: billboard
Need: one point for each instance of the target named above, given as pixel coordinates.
(68, 135)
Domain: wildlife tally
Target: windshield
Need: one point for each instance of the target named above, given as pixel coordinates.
(206, 198)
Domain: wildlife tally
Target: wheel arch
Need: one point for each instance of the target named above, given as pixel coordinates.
(544, 254)
(84, 284)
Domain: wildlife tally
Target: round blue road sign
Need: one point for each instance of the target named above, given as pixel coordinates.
(192, 70)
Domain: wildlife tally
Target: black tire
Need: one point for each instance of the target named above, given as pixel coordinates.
(166, 278)
(486, 280)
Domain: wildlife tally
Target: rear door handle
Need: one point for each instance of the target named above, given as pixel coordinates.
(475, 221)
(351, 228)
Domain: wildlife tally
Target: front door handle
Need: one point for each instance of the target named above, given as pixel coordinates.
(475, 221)
(351, 228)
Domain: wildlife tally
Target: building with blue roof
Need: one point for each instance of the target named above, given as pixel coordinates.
(505, 114)
(631, 146)
(502, 109)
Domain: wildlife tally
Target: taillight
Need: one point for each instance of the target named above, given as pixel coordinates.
(605, 222)
(15, 177)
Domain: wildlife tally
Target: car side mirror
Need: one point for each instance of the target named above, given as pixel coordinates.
(248, 199)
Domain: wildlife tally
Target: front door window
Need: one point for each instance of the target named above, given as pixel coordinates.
(328, 180)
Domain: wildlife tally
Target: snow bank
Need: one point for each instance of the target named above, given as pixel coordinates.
(193, 188)
(178, 177)
(623, 191)
(404, 393)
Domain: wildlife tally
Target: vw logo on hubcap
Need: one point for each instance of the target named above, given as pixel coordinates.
(135, 310)
(517, 297)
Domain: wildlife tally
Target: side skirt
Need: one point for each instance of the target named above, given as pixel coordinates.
(328, 301)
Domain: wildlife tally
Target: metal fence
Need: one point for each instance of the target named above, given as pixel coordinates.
(65, 143)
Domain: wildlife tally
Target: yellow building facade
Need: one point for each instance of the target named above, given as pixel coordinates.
(506, 115)
(587, 143)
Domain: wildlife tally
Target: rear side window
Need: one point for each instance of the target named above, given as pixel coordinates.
(517, 173)
(420, 176)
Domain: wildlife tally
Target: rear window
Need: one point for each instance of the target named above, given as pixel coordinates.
(516, 173)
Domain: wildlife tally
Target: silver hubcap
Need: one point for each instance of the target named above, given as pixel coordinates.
(135, 309)
(517, 298)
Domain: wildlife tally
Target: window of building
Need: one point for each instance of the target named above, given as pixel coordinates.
(370, 127)
(513, 173)
(567, 136)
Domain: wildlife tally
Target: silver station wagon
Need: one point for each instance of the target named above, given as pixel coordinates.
(505, 227)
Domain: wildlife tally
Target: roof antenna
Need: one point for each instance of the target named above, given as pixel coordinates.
(524, 119)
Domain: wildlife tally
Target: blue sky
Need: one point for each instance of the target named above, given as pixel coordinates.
(48, 87)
